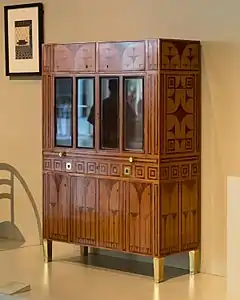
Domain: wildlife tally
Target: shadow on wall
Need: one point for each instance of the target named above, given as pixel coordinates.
(10, 235)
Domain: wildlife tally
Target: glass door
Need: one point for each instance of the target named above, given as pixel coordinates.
(63, 105)
(85, 113)
(109, 113)
(120, 113)
(133, 120)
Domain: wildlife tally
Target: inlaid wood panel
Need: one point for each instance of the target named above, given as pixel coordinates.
(75, 57)
(153, 116)
(56, 196)
(179, 109)
(173, 171)
(139, 210)
(110, 214)
(180, 55)
(190, 214)
(47, 59)
(83, 210)
(95, 167)
(169, 218)
(47, 108)
(121, 56)
(157, 220)
(60, 164)
(152, 54)
(180, 91)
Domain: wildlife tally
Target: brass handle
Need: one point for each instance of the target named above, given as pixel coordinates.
(130, 159)
(62, 154)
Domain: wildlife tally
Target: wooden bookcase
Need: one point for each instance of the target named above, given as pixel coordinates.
(122, 147)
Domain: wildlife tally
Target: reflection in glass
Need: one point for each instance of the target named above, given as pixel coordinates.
(63, 111)
(133, 113)
(109, 126)
(85, 112)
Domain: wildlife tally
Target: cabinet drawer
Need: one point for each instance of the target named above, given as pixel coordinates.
(65, 165)
(75, 57)
(140, 171)
(125, 56)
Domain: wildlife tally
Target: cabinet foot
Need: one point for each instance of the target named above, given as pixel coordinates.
(83, 251)
(92, 250)
(158, 268)
(194, 262)
(47, 246)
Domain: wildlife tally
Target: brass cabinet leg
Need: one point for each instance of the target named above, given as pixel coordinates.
(47, 245)
(158, 267)
(83, 251)
(194, 262)
(92, 250)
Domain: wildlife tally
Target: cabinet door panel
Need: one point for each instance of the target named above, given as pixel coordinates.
(63, 58)
(75, 57)
(169, 216)
(122, 56)
(110, 214)
(190, 214)
(139, 211)
(83, 210)
(56, 206)
(85, 58)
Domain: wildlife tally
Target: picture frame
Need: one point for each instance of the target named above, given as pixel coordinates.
(24, 36)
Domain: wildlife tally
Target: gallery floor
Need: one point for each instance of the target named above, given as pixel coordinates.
(66, 279)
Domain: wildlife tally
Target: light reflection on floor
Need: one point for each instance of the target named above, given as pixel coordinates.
(65, 279)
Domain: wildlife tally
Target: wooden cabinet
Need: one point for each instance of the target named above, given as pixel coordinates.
(122, 146)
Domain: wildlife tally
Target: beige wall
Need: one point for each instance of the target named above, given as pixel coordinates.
(216, 24)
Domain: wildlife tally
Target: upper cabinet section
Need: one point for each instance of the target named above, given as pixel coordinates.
(124, 56)
(75, 57)
(103, 57)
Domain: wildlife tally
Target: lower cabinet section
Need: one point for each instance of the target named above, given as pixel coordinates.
(124, 215)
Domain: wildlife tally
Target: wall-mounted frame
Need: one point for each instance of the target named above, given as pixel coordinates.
(23, 39)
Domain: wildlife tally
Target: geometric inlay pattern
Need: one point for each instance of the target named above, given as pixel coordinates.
(179, 109)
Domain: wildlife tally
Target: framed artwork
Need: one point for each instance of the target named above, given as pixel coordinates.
(23, 26)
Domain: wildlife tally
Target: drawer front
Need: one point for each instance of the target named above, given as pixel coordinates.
(113, 168)
(125, 56)
(52, 163)
(75, 57)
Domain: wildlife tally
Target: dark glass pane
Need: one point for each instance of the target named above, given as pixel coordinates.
(85, 112)
(133, 113)
(63, 111)
(109, 125)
